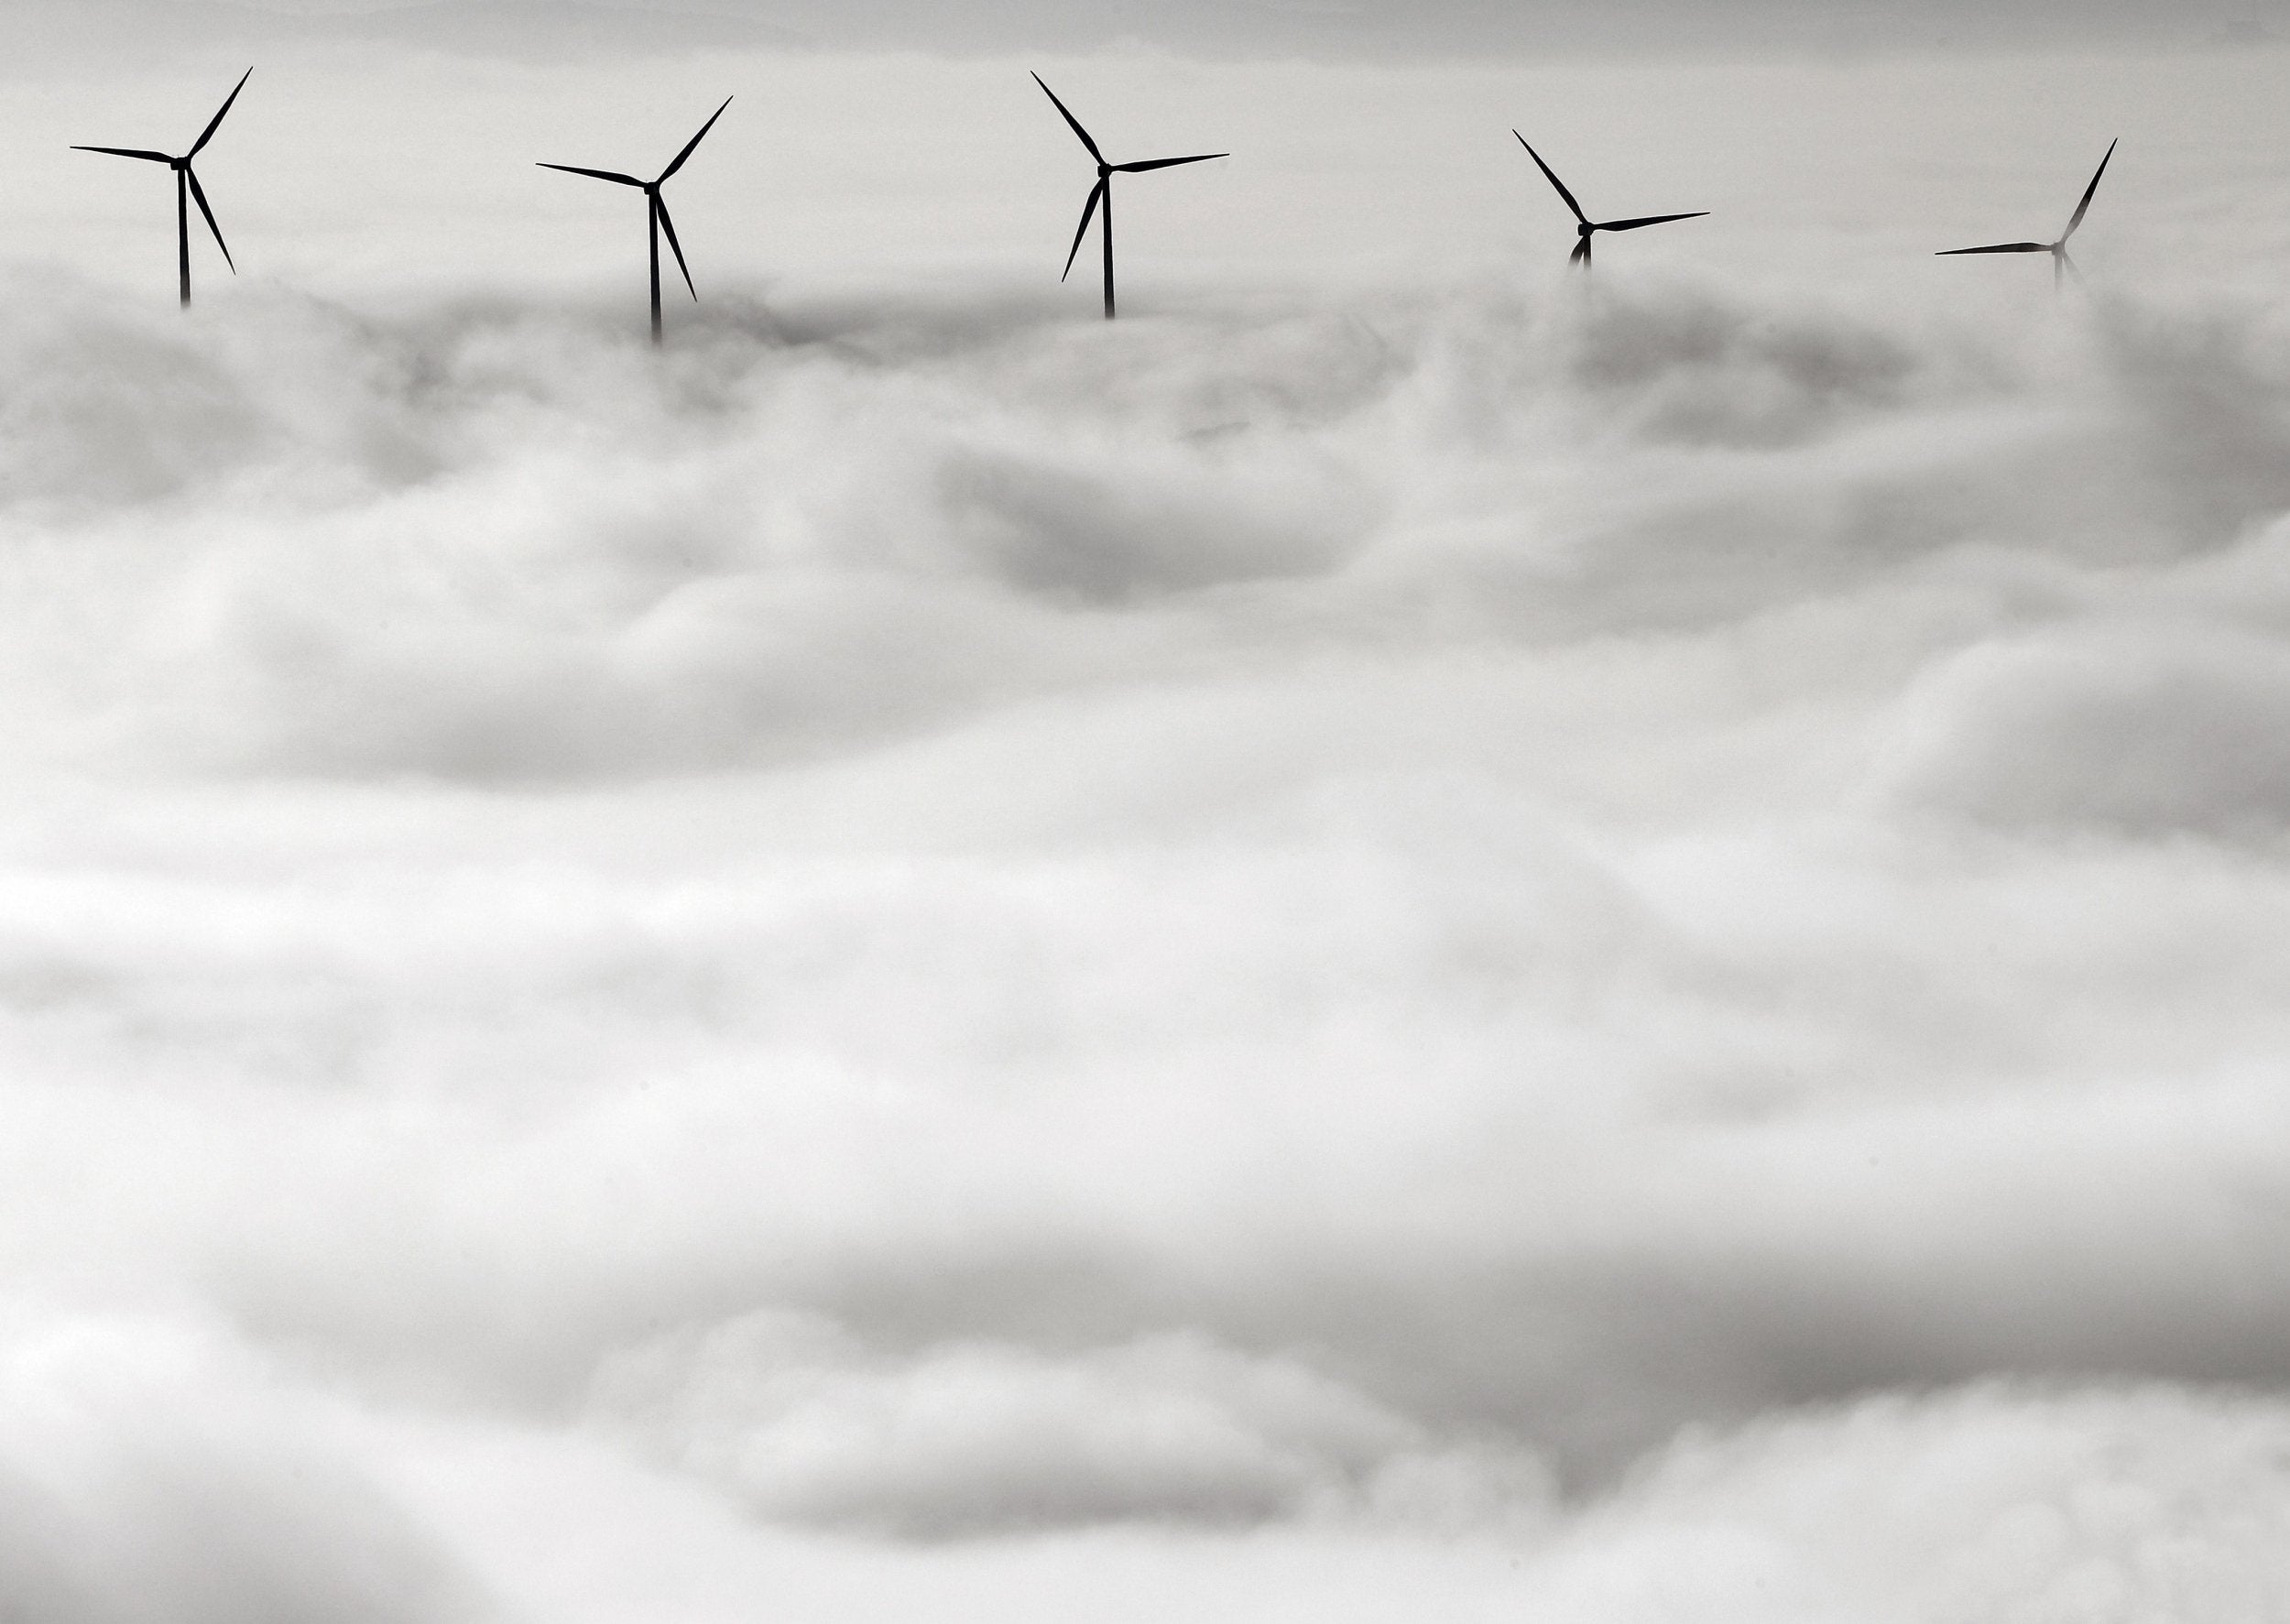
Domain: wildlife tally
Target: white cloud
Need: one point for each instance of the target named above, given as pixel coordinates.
(1329, 939)
(2150, 732)
(973, 1438)
(2005, 1503)
(148, 1476)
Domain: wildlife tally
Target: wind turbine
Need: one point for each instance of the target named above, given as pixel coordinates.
(1584, 225)
(657, 210)
(2058, 250)
(1103, 190)
(185, 181)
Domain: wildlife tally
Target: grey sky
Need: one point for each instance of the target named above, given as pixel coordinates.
(1332, 28)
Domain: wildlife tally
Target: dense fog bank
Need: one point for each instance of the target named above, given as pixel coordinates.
(1555, 951)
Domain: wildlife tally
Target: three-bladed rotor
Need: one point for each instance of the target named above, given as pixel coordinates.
(656, 210)
(1584, 226)
(187, 180)
(2061, 264)
(1103, 191)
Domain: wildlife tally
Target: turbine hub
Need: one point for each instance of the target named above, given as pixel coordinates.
(1585, 230)
(1103, 170)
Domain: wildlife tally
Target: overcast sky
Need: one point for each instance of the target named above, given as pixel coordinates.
(1320, 29)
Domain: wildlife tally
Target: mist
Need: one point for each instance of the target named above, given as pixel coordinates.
(1404, 935)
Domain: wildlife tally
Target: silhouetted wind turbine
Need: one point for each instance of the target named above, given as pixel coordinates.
(1103, 190)
(2058, 250)
(186, 180)
(657, 210)
(1584, 225)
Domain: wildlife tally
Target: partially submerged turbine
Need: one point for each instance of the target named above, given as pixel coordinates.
(1584, 225)
(1103, 190)
(2061, 264)
(656, 208)
(187, 182)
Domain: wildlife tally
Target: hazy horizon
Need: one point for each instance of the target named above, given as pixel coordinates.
(117, 31)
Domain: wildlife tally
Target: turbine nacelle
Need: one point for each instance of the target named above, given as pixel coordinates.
(1103, 191)
(1586, 227)
(656, 210)
(2062, 266)
(186, 188)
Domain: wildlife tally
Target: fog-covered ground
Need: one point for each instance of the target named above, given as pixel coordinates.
(1398, 940)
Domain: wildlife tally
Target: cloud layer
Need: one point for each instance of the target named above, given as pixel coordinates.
(1577, 950)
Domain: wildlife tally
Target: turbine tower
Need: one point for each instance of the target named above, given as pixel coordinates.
(2061, 264)
(1103, 190)
(656, 210)
(187, 182)
(1584, 225)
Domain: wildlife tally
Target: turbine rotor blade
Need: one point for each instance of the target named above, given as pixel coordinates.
(1648, 220)
(686, 152)
(1999, 248)
(1554, 180)
(669, 226)
(1581, 255)
(1072, 120)
(156, 158)
(1163, 163)
(207, 134)
(2067, 264)
(2088, 191)
(1089, 212)
(598, 174)
(198, 196)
